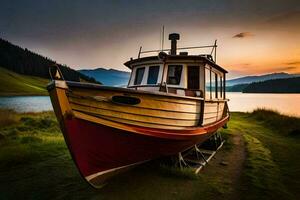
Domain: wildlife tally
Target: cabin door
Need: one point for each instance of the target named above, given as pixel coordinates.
(193, 77)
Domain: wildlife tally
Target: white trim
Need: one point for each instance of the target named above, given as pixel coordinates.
(160, 73)
(90, 177)
(61, 84)
(145, 76)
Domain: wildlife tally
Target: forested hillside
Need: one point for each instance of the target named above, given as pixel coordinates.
(289, 85)
(24, 61)
(236, 88)
(264, 77)
(13, 84)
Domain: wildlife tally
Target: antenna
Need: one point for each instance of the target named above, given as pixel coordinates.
(139, 55)
(162, 38)
(215, 51)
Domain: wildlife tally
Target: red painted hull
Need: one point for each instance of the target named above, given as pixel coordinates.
(97, 148)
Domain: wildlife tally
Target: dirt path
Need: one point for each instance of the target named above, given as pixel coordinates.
(227, 166)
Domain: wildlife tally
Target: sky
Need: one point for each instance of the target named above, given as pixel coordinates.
(254, 36)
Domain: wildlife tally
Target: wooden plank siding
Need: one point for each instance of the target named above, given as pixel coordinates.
(155, 111)
(213, 112)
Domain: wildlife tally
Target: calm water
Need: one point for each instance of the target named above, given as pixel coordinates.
(284, 103)
(26, 103)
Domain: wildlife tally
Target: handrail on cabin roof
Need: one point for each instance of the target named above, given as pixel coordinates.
(181, 48)
(214, 49)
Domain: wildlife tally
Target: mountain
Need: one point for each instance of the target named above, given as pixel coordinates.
(287, 85)
(251, 79)
(26, 62)
(109, 77)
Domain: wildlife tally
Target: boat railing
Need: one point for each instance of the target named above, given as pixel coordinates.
(213, 52)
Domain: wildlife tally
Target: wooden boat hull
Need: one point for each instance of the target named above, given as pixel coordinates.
(99, 150)
(102, 146)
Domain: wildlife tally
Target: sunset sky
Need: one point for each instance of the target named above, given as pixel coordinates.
(254, 37)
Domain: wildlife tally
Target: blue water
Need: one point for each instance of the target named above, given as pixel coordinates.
(26, 103)
(285, 103)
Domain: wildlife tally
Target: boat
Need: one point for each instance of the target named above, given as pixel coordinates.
(172, 102)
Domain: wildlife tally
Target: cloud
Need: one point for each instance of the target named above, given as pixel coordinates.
(243, 35)
(297, 62)
(244, 64)
(286, 68)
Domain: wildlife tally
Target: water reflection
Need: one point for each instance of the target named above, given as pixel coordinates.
(285, 103)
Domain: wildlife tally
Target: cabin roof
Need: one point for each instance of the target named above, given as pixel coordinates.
(176, 57)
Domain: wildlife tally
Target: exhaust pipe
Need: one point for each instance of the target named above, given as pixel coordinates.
(174, 37)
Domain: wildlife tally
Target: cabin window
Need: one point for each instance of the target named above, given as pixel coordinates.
(193, 77)
(207, 83)
(220, 87)
(217, 85)
(139, 74)
(214, 84)
(174, 74)
(224, 85)
(153, 74)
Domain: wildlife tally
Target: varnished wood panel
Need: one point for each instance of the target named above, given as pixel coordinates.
(120, 116)
(212, 112)
(146, 102)
(137, 110)
(155, 111)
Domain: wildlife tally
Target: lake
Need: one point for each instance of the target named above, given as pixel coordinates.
(285, 103)
(26, 103)
(245, 102)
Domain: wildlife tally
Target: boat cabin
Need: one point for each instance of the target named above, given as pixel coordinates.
(180, 74)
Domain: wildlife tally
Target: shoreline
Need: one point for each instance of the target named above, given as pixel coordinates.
(23, 95)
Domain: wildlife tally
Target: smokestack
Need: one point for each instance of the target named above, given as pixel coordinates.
(174, 37)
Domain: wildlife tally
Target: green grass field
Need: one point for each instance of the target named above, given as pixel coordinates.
(13, 84)
(260, 160)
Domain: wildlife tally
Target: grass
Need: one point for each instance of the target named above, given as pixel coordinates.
(262, 174)
(8, 117)
(286, 125)
(272, 163)
(35, 164)
(28, 137)
(13, 84)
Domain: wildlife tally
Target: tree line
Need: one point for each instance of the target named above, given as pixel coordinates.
(24, 61)
(287, 85)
